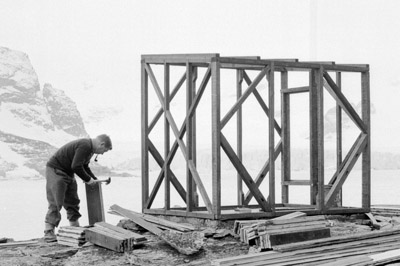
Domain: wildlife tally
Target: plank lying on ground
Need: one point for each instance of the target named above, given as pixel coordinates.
(107, 240)
(160, 222)
(386, 257)
(336, 239)
(300, 257)
(127, 233)
(186, 243)
(329, 253)
(290, 216)
(114, 237)
(17, 243)
(137, 219)
(295, 228)
(71, 236)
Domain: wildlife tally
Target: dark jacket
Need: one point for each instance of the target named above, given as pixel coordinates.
(73, 158)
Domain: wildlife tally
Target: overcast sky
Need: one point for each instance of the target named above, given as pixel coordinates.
(91, 49)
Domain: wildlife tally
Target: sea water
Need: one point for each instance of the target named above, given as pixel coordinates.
(23, 202)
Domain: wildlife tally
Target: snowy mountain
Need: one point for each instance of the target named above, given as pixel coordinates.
(34, 121)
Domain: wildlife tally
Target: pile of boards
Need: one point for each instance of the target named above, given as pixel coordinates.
(294, 227)
(71, 236)
(182, 237)
(102, 234)
(387, 209)
(113, 237)
(368, 248)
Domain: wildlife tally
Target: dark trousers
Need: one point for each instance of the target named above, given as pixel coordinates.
(62, 191)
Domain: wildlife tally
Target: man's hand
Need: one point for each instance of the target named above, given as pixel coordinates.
(91, 182)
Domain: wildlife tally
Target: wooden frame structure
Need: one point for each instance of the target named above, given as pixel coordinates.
(320, 80)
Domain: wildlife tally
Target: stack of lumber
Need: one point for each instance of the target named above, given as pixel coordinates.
(373, 248)
(179, 236)
(386, 210)
(113, 237)
(155, 221)
(71, 236)
(282, 230)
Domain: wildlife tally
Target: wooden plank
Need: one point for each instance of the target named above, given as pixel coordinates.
(137, 219)
(297, 182)
(279, 238)
(166, 168)
(105, 239)
(126, 233)
(145, 134)
(239, 134)
(366, 157)
(18, 243)
(296, 90)
(189, 138)
(178, 58)
(313, 137)
(285, 138)
(95, 207)
(320, 140)
(244, 174)
(216, 137)
(292, 215)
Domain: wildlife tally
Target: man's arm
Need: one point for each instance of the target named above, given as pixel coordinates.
(78, 164)
(87, 169)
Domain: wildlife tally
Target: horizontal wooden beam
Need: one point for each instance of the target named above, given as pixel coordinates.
(297, 183)
(296, 90)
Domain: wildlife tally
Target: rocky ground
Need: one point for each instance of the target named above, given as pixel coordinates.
(156, 251)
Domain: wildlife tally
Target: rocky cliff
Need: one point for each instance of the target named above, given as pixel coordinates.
(34, 121)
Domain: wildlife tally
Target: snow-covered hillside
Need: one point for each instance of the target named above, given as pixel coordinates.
(34, 121)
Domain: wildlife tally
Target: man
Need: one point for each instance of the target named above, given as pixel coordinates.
(61, 187)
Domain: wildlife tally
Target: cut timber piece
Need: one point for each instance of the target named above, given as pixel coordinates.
(18, 243)
(290, 216)
(386, 257)
(94, 198)
(280, 238)
(126, 233)
(71, 236)
(137, 219)
(105, 239)
(179, 241)
(374, 222)
(296, 220)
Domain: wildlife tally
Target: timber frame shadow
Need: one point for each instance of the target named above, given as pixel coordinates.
(323, 196)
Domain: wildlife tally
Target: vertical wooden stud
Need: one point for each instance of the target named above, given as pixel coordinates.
(366, 156)
(285, 125)
(144, 136)
(320, 138)
(271, 127)
(189, 138)
(239, 133)
(167, 196)
(216, 136)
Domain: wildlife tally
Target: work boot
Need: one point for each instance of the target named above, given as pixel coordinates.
(50, 236)
(74, 223)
